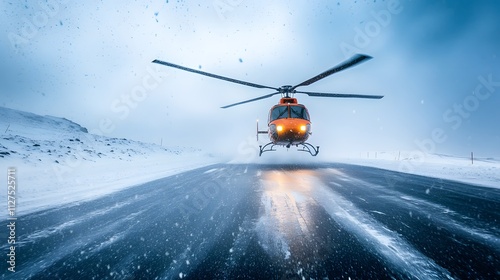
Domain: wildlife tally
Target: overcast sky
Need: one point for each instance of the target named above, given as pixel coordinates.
(436, 62)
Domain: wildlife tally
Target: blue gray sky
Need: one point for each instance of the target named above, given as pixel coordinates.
(436, 62)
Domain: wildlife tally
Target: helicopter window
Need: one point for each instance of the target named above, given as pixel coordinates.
(299, 112)
(279, 113)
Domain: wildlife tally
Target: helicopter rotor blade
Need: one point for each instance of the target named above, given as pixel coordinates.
(340, 95)
(211, 75)
(354, 60)
(250, 100)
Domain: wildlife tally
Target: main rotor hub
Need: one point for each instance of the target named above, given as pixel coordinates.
(286, 91)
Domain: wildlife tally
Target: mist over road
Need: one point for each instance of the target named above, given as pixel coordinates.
(269, 222)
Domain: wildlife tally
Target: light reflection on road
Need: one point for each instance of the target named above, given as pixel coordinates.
(287, 213)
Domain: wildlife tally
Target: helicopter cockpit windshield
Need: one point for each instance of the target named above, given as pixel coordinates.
(284, 112)
(280, 112)
(298, 112)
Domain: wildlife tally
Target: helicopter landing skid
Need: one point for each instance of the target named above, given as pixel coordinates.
(304, 147)
(266, 148)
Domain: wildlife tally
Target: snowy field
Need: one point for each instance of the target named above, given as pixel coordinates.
(481, 171)
(57, 162)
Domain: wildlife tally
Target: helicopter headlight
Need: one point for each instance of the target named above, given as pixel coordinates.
(279, 128)
(303, 128)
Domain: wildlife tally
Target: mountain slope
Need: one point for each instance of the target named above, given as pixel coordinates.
(58, 161)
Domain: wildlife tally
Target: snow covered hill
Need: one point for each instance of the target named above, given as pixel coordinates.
(57, 161)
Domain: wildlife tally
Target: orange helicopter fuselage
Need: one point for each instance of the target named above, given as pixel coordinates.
(289, 123)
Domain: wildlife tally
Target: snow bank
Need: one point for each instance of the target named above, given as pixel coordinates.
(483, 171)
(57, 161)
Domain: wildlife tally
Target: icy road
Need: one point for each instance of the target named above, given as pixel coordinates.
(269, 222)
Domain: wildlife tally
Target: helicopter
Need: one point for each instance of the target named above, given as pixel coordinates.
(289, 123)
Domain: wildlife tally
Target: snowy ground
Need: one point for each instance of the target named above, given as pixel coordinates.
(483, 171)
(58, 162)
